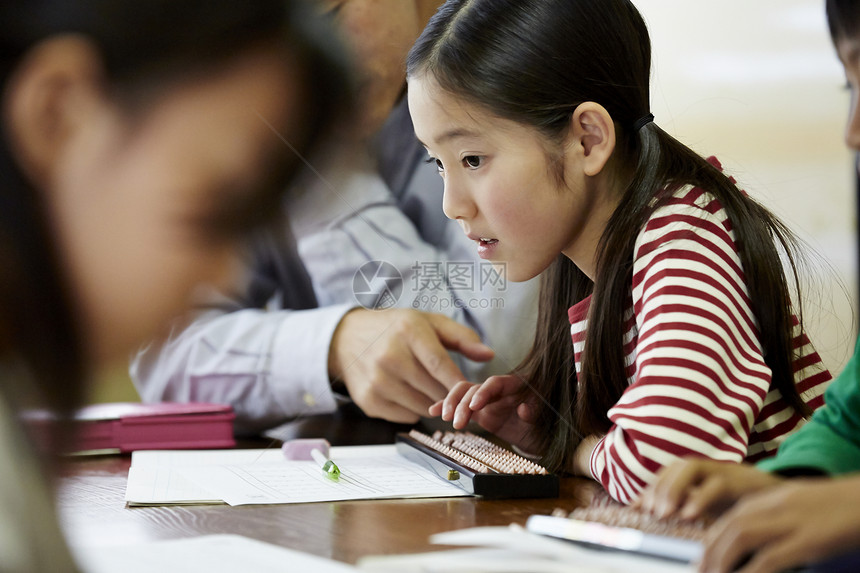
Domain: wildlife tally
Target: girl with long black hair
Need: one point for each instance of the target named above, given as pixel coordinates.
(684, 339)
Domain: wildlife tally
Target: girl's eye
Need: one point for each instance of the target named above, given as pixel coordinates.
(473, 161)
(439, 167)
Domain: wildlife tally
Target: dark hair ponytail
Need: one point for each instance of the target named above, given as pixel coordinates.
(843, 19)
(38, 333)
(143, 47)
(534, 63)
(665, 165)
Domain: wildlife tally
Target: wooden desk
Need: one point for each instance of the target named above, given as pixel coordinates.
(92, 508)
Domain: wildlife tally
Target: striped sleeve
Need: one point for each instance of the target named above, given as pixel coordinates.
(700, 379)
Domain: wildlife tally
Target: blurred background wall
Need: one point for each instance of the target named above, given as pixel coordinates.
(757, 84)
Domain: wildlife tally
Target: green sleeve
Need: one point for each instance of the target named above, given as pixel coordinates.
(830, 441)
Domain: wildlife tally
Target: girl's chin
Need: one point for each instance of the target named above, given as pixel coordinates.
(515, 273)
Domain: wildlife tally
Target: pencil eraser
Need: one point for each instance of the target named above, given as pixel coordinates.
(301, 449)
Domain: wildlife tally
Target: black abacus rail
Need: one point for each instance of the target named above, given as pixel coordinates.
(490, 483)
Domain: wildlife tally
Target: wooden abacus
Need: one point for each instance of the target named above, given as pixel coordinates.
(608, 524)
(603, 509)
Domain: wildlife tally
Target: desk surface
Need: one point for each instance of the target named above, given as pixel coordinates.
(92, 509)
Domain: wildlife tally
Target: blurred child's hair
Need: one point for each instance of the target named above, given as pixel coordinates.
(145, 47)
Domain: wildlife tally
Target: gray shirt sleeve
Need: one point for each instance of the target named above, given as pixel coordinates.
(269, 365)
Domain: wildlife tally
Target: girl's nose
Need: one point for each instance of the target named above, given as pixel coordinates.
(456, 201)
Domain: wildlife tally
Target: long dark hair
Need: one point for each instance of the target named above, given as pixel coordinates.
(143, 46)
(843, 19)
(534, 63)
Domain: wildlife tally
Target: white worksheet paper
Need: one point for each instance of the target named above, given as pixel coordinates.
(373, 477)
(512, 549)
(205, 554)
(154, 480)
(242, 477)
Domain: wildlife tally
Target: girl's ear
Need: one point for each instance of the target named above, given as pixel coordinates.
(47, 99)
(591, 136)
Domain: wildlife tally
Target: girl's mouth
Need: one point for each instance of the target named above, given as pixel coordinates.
(486, 247)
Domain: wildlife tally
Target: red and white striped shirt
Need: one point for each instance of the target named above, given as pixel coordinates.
(698, 381)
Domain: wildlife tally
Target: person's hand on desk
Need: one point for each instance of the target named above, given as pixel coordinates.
(692, 487)
(496, 405)
(395, 363)
(773, 522)
(795, 523)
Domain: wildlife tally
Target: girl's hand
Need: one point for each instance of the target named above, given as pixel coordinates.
(798, 522)
(692, 487)
(495, 405)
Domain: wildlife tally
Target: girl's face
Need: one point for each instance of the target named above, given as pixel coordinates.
(503, 188)
(848, 50)
(141, 204)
